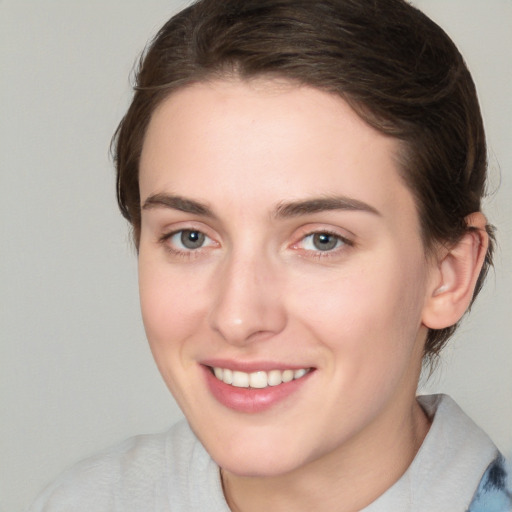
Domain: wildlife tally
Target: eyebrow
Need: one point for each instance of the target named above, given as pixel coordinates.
(283, 210)
(321, 204)
(179, 203)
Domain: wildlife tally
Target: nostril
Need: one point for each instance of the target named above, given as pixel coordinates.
(246, 307)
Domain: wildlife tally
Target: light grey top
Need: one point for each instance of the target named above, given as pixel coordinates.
(173, 472)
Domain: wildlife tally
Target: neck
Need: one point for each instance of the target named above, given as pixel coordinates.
(347, 479)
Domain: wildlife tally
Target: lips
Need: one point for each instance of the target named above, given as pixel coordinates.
(254, 388)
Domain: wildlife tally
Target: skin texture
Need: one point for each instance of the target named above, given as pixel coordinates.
(260, 292)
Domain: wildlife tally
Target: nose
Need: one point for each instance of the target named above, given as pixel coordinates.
(247, 302)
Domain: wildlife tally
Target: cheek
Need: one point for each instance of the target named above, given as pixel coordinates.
(170, 304)
(369, 311)
(172, 315)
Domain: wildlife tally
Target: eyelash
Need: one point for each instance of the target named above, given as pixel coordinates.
(343, 242)
(186, 252)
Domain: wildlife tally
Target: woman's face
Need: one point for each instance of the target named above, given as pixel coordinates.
(282, 273)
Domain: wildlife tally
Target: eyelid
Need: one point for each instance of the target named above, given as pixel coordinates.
(308, 231)
(172, 234)
(171, 231)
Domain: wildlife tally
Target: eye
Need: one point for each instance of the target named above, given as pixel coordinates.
(322, 241)
(188, 240)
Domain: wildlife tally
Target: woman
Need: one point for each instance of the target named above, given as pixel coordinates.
(304, 183)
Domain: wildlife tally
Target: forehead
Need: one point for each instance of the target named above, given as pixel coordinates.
(267, 138)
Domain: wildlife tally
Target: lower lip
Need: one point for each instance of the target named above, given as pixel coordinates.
(251, 400)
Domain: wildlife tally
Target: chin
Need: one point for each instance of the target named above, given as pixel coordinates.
(258, 459)
(258, 468)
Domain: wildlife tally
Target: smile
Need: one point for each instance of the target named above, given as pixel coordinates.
(259, 379)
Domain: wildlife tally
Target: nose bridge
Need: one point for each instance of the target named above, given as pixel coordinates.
(247, 297)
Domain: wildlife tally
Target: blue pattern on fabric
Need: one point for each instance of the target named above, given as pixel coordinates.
(492, 494)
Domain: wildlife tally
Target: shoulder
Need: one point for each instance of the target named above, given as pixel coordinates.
(494, 492)
(138, 471)
(448, 466)
(455, 454)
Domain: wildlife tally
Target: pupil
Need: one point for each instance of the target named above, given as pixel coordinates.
(324, 241)
(192, 239)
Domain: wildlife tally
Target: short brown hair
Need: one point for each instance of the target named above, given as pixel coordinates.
(397, 69)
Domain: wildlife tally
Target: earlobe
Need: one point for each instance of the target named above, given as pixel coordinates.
(456, 275)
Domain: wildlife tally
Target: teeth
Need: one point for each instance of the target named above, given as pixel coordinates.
(227, 376)
(240, 380)
(287, 375)
(297, 374)
(274, 378)
(259, 379)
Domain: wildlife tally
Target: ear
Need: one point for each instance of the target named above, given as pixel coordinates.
(455, 274)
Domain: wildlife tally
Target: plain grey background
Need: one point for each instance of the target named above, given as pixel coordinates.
(76, 374)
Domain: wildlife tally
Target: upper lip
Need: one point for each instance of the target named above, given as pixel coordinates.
(252, 366)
